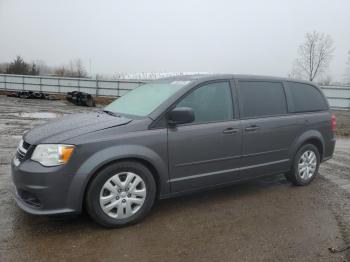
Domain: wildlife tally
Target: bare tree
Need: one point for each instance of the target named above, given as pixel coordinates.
(60, 71)
(43, 67)
(315, 55)
(34, 70)
(74, 69)
(80, 69)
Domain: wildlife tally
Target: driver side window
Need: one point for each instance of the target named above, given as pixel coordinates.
(210, 103)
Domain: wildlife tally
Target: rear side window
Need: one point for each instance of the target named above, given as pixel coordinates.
(305, 98)
(261, 98)
(210, 103)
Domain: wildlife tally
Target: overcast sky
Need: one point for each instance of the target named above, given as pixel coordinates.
(255, 37)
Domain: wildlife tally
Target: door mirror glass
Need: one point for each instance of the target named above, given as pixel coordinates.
(180, 115)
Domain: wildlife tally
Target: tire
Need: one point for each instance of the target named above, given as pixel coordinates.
(306, 177)
(125, 212)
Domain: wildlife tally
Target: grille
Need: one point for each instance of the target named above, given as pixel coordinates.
(22, 150)
(20, 155)
(25, 145)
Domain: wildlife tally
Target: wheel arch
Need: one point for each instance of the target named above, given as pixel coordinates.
(101, 159)
(140, 160)
(310, 137)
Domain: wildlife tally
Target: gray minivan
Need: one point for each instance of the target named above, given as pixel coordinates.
(169, 137)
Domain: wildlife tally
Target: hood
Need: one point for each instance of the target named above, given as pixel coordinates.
(71, 126)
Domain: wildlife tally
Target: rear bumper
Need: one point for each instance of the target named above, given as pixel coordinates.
(326, 158)
(44, 190)
(329, 150)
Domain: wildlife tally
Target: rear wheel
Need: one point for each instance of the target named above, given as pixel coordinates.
(121, 194)
(305, 165)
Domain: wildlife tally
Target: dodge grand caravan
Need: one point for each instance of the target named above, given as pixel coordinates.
(170, 137)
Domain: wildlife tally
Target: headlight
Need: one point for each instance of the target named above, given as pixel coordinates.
(52, 154)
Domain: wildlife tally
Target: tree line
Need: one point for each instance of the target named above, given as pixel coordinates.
(18, 66)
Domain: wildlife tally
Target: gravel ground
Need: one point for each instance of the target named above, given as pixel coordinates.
(262, 220)
(343, 122)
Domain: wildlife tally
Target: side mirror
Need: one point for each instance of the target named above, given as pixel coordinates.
(180, 115)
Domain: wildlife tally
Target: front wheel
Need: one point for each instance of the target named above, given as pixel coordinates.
(305, 165)
(121, 194)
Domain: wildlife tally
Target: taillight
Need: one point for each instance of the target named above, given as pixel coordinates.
(333, 123)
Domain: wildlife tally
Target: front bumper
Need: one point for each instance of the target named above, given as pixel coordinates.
(38, 211)
(44, 190)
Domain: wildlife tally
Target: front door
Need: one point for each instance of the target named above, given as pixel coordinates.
(206, 152)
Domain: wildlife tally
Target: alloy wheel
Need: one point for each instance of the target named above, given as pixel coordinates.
(307, 165)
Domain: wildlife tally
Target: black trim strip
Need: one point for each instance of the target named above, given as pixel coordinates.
(206, 161)
(266, 152)
(226, 171)
(228, 158)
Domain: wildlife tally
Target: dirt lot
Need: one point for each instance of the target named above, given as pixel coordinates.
(263, 220)
(343, 122)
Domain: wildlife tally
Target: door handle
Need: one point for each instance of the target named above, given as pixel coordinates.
(231, 130)
(252, 128)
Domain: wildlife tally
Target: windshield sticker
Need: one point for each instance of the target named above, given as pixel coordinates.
(180, 83)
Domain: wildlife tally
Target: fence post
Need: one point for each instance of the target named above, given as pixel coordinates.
(22, 82)
(5, 82)
(40, 84)
(118, 89)
(59, 85)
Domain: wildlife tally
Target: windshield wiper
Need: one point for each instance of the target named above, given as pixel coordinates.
(111, 113)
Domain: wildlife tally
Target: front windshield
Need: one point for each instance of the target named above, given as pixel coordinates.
(144, 99)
